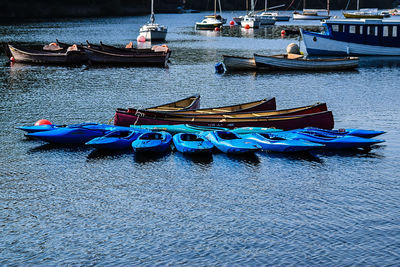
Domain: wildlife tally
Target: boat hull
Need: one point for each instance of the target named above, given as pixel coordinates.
(233, 63)
(192, 143)
(282, 62)
(284, 145)
(106, 58)
(211, 26)
(41, 57)
(114, 140)
(145, 143)
(309, 17)
(320, 44)
(322, 120)
(232, 146)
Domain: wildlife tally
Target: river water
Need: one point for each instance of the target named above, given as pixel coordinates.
(73, 206)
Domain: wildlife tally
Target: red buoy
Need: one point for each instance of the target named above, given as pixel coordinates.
(12, 59)
(231, 23)
(217, 29)
(43, 122)
(247, 26)
(283, 32)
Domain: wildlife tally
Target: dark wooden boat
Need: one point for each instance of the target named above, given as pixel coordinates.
(28, 55)
(259, 105)
(319, 107)
(322, 120)
(106, 55)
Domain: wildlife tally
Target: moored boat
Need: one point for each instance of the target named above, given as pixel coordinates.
(153, 31)
(379, 37)
(192, 143)
(310, 14)
(298, 62)
(208, 24)
(279, 144)
(70, 56)
(233, 63)
(320, 120)
(348, 131)
(152, 142)
(158, 57)
(77, 134)
(330, 141)
(231, 143)
(120, 139)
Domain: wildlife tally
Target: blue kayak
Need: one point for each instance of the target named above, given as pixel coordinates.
(155, 142)
(279, 144)
(77, 134)
(354, 132)
(330, 141)
(232, 143)
(192, 143)
(116, 139)
(48, 127)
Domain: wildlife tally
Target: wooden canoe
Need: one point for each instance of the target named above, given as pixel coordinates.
(322, 120)
(319, 107)
(259, 105)
(233, 63)
(28, 55)
(290, 62)
(188, 103)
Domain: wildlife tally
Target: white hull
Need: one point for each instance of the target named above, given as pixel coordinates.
(316, 45)
(252, 23)
(239, 63)
(309, 17)
(282, 62)
(153, 32)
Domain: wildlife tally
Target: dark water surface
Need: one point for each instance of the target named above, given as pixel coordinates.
(73, 206)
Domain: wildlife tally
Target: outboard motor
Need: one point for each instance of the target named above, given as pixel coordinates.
(219, 68)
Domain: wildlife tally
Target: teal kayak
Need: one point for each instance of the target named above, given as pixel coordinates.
(231, 143)
(192, 143)
(259, 130)
(179, 128)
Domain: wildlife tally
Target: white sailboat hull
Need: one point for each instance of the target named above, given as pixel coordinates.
(153, 32)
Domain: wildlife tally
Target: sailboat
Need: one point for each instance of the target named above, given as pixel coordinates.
(273, 15)
(211, 22)
(311, 14)
(364, 13)
(152, 31)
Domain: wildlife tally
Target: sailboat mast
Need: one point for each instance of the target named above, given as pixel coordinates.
(358, 4)
(252, 6)
(152, 12)
(215, 8)
(327, 6)
(265, 7)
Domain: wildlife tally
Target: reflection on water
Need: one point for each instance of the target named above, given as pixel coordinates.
(58, 148)
(201, 159)
(149, 157)
(379, 61)
(107, 154)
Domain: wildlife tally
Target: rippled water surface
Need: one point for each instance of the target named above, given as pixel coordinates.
(73, 206)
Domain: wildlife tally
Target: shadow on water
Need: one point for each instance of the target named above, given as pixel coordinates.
(201, 159)
(59, 147)
(355, 152)
(309, 156)
(107, 154)
(378, 62)
(144, 157)
(249, 158)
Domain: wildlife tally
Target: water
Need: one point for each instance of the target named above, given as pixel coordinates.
(73, 206)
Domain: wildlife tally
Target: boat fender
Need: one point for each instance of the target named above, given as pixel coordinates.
(42, 122)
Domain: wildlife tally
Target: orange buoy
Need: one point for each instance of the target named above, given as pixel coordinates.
(42, 122)
(231, 23)
(247, 26)
(12, 59)
(217, 29)
(141, 38)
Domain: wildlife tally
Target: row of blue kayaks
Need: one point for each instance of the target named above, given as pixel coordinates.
(200, 139)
